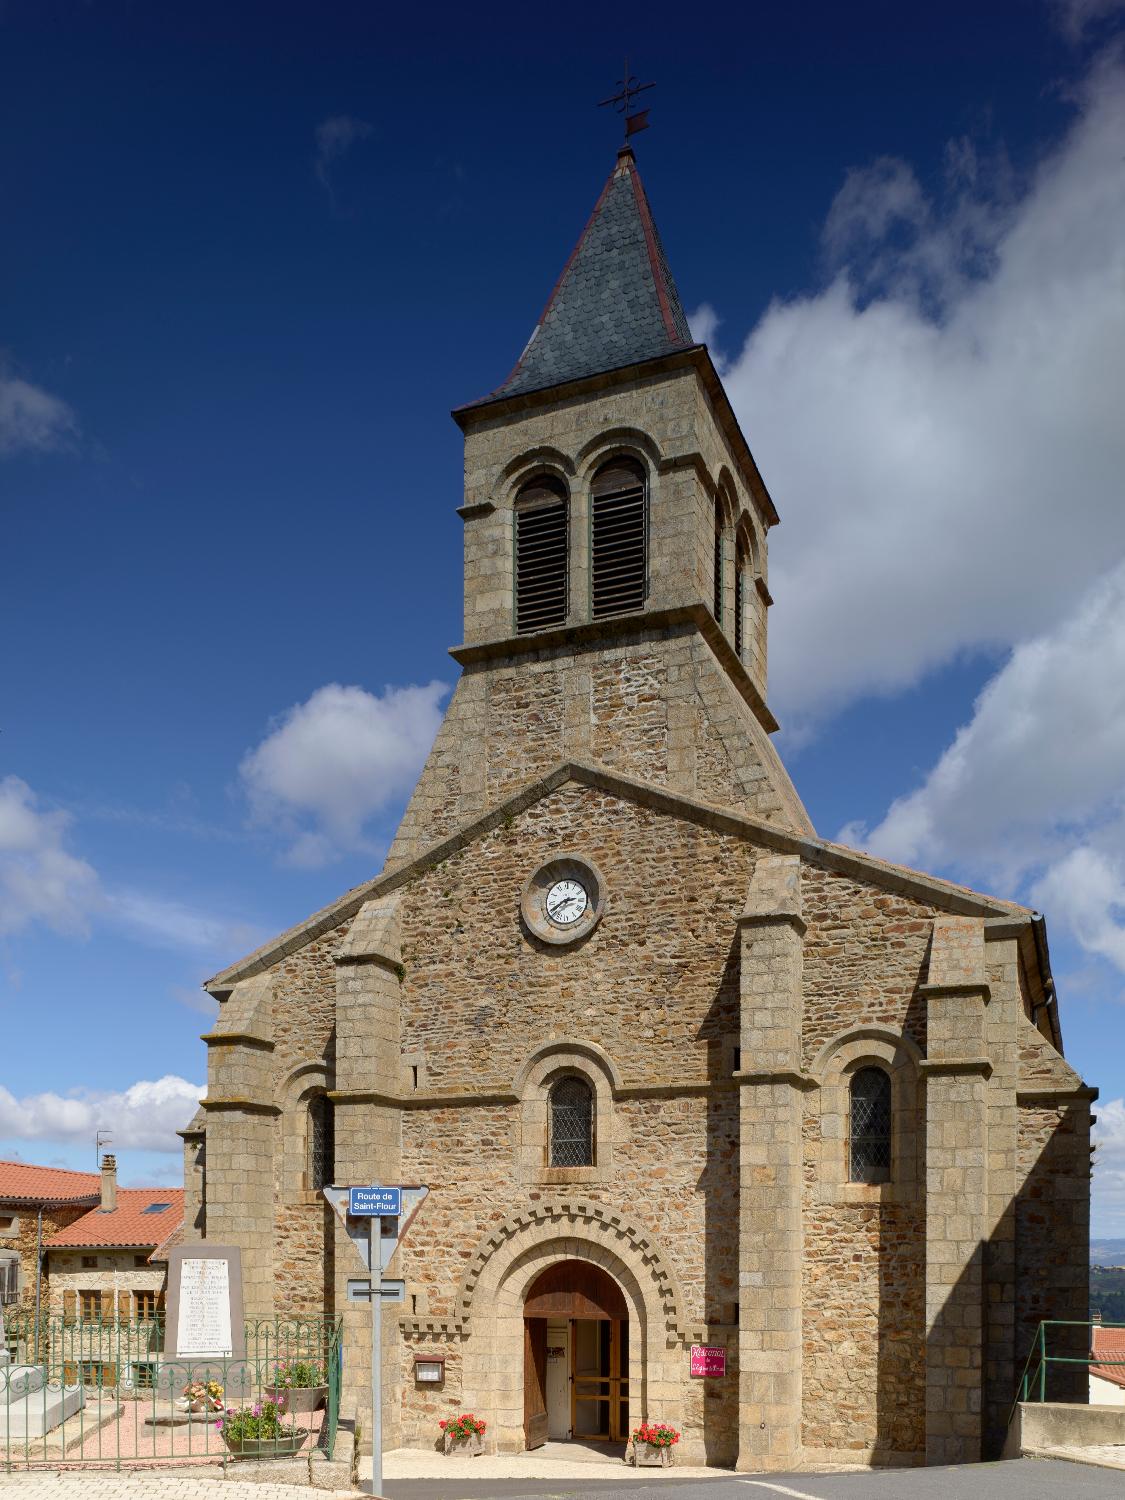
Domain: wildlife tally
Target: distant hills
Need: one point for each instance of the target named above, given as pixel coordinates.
(1107, 1252)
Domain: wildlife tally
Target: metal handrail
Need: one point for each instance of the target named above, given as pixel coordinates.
(1032, 1384)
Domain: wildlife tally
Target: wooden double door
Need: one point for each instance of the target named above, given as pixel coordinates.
(576, 1312)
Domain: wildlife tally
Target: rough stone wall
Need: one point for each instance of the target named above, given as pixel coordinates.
(115, 1274)
(865, 956)
(864, 1328)
(1053, 1235)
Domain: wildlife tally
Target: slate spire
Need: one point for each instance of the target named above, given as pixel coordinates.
(615, 303)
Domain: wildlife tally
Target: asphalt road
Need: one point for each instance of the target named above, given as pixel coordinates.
(1021, 1479)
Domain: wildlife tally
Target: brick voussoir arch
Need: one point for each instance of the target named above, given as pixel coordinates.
(629, 1241)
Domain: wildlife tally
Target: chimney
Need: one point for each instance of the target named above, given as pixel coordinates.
(109, 1184)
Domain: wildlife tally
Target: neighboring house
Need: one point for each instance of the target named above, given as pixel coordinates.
(1107, 1381)
(108, 1269)
(35, 1204)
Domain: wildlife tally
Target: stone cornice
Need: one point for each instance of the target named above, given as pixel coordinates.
(952, 1066)
(472, 512)
(237, 1039)
(659, 1089)
(972, 989)
(243, 1106)
(760, 585)
(1058, 1094)
(792, 1076)
(592, 635)
(380, 960)
(774, 919)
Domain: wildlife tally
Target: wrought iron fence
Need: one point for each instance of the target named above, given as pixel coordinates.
(99, 1391)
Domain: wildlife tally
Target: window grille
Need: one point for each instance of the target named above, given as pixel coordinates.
(542, 555)
(618, 539)
(572, 1123)
(322, 1144)
(870, 1126)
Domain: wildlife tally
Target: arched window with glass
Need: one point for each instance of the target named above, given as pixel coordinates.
(618, 538)
(542, 519)
(570, 1123)
(320, 1166)
(869, 1135)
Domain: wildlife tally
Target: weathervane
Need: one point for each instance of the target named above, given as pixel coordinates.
(622, 101)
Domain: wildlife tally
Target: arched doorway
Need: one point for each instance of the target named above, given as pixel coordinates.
(576, 1355)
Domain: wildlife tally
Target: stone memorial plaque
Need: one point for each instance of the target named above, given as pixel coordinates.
(205, 1303)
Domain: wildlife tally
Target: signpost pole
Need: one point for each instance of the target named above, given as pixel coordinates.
(375, 1227)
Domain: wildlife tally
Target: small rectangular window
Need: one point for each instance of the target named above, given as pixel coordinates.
(89, 1306)
(144, 1303)
(89, 1262)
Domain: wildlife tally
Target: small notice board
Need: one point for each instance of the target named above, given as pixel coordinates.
(708, 1360)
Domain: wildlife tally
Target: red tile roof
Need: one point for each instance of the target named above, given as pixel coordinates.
(46, 1184)
(1109, 1343)
(128, 1224)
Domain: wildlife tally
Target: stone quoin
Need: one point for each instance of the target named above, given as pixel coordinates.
(721, 1083)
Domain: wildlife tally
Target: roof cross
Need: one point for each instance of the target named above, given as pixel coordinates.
(627, 90)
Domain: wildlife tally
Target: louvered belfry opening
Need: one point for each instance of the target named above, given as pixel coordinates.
(542, 523)
(720, 558)
(618, 538)
(870, 1126)
(741, 563)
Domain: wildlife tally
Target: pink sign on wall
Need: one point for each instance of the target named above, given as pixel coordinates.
(708, 1359)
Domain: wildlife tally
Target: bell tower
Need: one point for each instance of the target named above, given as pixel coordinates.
(615, 528)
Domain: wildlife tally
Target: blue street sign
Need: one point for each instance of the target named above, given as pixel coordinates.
(375, 1202)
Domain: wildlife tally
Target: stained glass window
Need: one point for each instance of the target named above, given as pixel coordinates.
(870, 1126)
(572, 1123)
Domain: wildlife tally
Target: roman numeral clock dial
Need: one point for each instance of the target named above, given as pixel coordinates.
(563, 900)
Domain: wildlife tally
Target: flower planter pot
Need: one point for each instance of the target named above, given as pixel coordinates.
(466, 1447)
(278, 1447)
(298, 1398)
(652, 1455)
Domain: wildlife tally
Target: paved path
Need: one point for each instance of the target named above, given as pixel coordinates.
(1027, 1479)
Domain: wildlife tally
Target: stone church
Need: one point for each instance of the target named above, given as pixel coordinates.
(679, 1073)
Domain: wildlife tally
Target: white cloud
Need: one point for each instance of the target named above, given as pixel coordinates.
(143, 1117)
(334, 137)
(1076, 17)
(32, 420)
(941, 425)
(40, 880)
(1109, 1168)
(43, 882)
(329, 764)
(1031, 793)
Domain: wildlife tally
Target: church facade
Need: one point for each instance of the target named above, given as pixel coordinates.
(724, 1125)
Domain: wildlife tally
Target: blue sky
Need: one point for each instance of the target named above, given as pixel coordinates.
(252, 257)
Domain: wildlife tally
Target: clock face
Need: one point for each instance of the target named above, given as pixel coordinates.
(566, 902)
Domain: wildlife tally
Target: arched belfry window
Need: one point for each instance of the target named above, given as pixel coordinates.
(741, 574)
(571, 1123)
(618, 538)
(870, 1132)
(321, 1167)
(542, 515)
(720, 561)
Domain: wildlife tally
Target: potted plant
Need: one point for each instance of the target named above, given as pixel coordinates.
(203, 1395)
(652, 1444)
(258, 1431)
(301, 1385)
(462, 1435)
